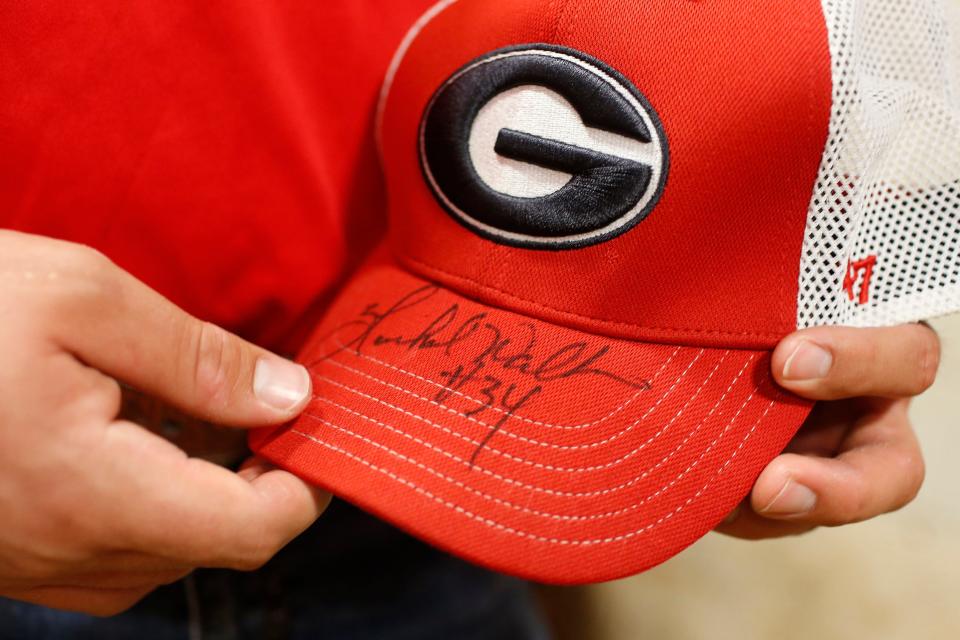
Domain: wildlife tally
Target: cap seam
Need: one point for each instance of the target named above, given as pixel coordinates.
(558, 21)
(716, 332)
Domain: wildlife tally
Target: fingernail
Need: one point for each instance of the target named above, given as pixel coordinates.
(280, 384)
(794, 499)
(809, 361)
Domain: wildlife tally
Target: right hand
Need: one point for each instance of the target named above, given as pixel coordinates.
(95, 512)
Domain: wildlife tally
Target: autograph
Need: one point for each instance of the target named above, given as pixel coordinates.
(479, 351)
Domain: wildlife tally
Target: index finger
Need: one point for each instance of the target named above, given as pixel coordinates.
(197, 512)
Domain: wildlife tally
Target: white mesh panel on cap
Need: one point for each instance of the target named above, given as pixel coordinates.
(889, 181)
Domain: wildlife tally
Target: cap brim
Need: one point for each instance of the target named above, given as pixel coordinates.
(530, 448)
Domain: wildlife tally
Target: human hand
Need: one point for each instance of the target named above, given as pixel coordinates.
(856, 456)
(97, 511)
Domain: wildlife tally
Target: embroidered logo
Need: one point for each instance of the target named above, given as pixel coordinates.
(543, 147)
(859, 271)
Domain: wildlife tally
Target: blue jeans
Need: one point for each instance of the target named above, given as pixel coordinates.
(350, 577)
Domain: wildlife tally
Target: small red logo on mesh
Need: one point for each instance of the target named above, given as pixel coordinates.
(859, 271)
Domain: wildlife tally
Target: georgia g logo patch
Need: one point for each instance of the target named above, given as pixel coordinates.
(544, 147)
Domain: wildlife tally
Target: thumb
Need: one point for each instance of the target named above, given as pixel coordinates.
(130, 332)
(829, 363)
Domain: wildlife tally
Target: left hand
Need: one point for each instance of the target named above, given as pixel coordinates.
(856, 456)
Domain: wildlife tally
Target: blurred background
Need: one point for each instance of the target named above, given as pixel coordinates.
(897, 576)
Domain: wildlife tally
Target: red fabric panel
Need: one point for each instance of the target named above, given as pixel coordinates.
(743, 90)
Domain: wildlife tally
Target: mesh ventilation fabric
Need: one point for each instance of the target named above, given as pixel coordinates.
(889, 182)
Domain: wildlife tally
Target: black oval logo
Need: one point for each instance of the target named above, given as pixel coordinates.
(544, 147)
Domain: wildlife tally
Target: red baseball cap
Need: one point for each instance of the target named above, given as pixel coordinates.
(604, 216)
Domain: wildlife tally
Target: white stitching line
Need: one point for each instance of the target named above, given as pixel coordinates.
(538, 538)
(507, 503)
(538, 423)
(502, 431)
(498, 409)
(398, 57)
(473, 419)
(518, 483)
(537, 465)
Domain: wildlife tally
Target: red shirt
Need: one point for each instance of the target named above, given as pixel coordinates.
(221, 151)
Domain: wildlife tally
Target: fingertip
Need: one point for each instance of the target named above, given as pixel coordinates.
(930, 349)
(291, 498)
(281, 385)
(769, 483)
(227, 380)
(801, 362)
(783, 489)
(745, 524)
(781, 354)
(828, 363)
(284, 507)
